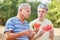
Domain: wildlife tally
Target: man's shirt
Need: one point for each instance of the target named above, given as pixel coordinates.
(41, 24)
(16, 26)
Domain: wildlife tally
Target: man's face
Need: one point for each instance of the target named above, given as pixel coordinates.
(26, 12)
(41, 12)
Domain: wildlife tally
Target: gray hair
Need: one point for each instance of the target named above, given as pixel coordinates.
(23, 5)
(43, 6)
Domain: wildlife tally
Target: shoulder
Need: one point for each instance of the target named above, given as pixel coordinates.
(47, 20)
(11, 19)
(33, 21)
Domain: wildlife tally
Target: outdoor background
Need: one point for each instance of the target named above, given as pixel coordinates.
(9, 8)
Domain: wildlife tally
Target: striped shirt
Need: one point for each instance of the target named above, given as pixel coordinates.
(16, 25)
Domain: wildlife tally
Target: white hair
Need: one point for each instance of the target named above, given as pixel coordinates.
(23, 5)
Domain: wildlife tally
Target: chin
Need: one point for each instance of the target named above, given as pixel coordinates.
(27, 17)
(41, 16)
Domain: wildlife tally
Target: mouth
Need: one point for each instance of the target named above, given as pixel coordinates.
(28, 16)
(41, 15)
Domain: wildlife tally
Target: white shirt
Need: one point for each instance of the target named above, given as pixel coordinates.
(44, 23)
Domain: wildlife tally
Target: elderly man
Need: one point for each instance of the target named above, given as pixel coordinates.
(41, 22)
(17, 28)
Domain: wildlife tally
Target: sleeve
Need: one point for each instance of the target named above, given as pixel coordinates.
(51, 25)
(9, 26)
(31, 25)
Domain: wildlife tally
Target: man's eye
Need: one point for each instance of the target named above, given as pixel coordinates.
(41, 11)
(28, 11)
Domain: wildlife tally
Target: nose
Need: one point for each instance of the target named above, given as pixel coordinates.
(41, 13)
(28, 14)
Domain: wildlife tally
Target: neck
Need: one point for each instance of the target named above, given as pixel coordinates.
(41, 19)
(20, 18)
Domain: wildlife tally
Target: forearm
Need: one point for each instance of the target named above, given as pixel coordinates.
(39, 34)
(32, 37)
(11, 36)
(51, 35)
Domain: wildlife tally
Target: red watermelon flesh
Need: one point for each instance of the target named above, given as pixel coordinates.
(47, 28)
(37, 25)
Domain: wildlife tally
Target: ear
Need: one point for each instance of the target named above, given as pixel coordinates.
(46, 12)
(20, 9)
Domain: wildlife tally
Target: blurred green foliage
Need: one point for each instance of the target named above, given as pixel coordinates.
(9, 8)
(54, 12)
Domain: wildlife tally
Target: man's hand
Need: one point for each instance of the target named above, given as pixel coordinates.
(33, 32)
(29, 32)
(36, 30)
